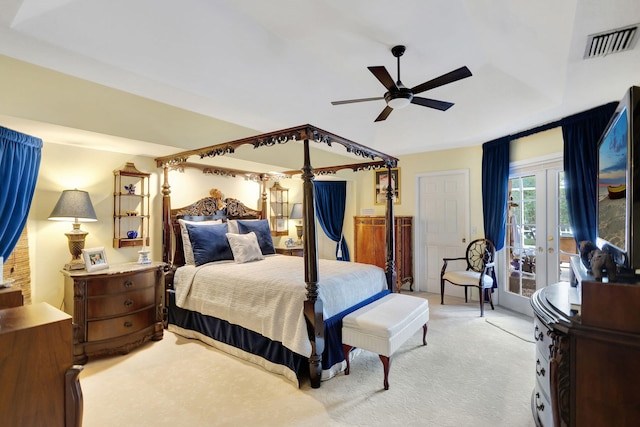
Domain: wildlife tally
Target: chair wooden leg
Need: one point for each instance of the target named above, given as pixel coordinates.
(465, 294)
(490, 298)
(441, 292)
(424, 334)
(481, 302)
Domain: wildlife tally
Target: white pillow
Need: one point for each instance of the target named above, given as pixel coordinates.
(245, 247)
(186, 242)
(233, 226)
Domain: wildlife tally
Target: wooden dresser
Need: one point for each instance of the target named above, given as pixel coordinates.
(40, 385)
(587, 370)
(370, 241)
(114, 310)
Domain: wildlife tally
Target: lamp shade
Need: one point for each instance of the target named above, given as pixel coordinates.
(74, 206)
(296, 211)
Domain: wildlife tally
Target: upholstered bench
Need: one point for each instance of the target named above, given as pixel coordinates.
(383, 326)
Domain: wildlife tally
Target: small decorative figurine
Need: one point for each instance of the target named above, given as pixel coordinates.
(131, 188)
(144, 256)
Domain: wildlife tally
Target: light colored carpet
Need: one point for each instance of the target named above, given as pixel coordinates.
(473, 372)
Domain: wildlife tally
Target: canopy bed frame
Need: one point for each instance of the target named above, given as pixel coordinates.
(313, 306)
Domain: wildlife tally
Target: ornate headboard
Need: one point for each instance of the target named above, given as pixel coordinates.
(205, 209)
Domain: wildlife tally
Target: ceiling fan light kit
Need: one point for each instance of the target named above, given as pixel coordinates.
(399, 96)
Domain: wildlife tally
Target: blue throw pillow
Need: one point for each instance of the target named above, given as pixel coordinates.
(261, 228)
(209, 243)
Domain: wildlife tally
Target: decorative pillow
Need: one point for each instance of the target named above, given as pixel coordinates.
(186, 243)
(245, 247)
(209, 243)
(233, 226)
(263, 233)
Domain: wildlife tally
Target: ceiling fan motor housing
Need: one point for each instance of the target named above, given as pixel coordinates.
(400, 98)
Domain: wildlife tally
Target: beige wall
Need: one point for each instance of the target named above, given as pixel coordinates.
(64, 167)
(538, 145)
(38, 94)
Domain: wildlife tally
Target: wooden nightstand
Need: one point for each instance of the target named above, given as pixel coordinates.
(11, 297)
(114, 310)
(292, 251)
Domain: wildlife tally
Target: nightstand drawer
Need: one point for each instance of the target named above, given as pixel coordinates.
(122, 303)
(119, 326)
(295, 251)
(120, 283)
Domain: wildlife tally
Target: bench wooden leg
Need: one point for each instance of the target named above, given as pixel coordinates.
(346, 349)
(386, 362)
(424, 334)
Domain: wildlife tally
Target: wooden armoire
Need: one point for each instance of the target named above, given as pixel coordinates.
(370, 240)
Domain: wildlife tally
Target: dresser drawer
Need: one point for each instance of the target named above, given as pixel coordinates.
(110, 328)
(122, 303)
(120, 283)
(542, 374)
(541, 335)
(542, 406)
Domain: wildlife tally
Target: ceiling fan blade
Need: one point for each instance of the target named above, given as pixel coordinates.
(455, 75)
(351, 101)
(432, 103)
(385, 113)
(383, 75)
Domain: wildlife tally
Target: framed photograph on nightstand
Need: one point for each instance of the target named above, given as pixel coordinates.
(95, 259)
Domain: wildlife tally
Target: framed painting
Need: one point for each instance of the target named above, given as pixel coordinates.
(381, 183)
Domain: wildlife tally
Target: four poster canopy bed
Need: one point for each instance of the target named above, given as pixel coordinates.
(228, 288)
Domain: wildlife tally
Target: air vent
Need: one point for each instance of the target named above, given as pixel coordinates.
(612, 41)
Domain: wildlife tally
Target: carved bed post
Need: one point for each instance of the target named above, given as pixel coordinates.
(166, 213)
(312, 305)
(263, 199)
(392, 274)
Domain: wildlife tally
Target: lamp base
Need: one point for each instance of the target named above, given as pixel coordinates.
(76, 239)
(71, 266)
(299, 232)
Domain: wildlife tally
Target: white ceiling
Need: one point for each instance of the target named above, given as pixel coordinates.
(268, 65)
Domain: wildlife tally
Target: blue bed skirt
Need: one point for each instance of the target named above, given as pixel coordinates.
(254, 343)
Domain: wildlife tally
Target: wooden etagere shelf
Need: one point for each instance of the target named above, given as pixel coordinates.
(131, 208)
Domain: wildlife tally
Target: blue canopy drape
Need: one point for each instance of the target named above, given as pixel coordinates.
(581, 133)
(331, 199)
(495, 186)
(20, 157)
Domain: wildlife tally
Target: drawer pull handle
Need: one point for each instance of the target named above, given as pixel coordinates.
(128, 324)
(542, 371)
(538, 336)
(128, 283)
(128, 303)
(539, 407)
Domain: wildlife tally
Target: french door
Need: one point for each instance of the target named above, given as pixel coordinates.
(539, 240)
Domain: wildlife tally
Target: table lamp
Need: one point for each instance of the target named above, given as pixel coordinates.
(296, 213)
(74, 206)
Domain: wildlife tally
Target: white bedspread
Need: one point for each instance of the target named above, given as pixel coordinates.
(267, 296)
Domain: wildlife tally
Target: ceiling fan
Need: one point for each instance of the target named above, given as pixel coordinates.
(399, 96)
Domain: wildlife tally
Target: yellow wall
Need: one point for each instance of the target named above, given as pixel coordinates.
(64, 167)
(35, 93)
(411, 166)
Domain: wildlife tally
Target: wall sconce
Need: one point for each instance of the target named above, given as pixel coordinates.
(74, 206)
(296, 213)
